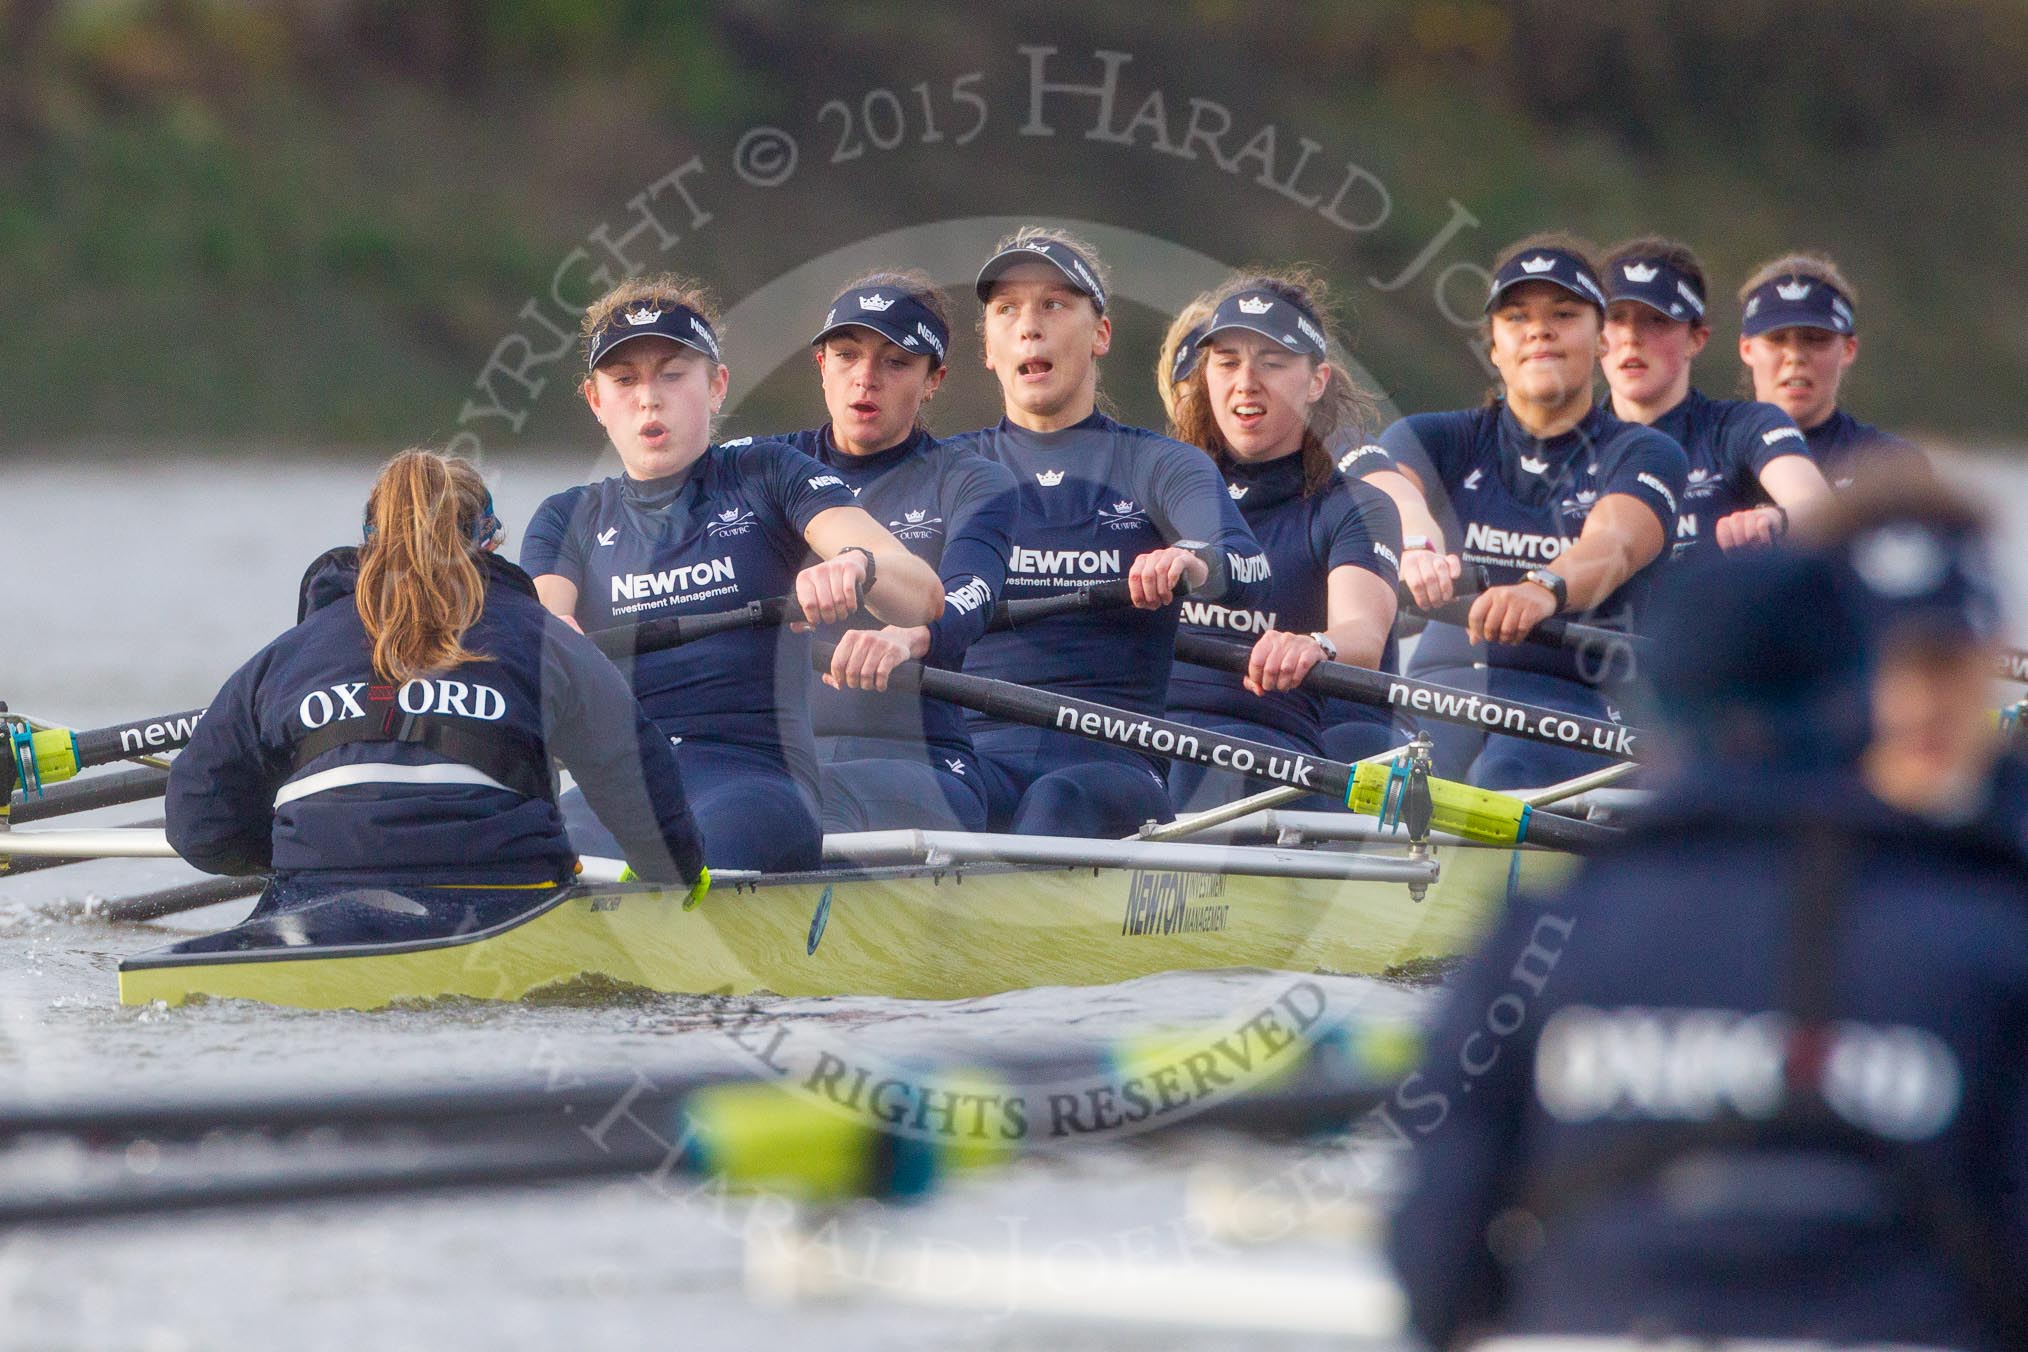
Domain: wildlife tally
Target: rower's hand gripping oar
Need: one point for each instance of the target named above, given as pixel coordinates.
(1461, 809)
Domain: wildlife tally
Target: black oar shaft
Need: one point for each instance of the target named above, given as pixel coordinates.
(175, 900)
(1509, 718)
(127, 786)
(1170, 740)
(142, 737)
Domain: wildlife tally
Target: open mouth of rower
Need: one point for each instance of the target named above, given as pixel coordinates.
(1633, 364)
(654, 432)
(1035, 368)
(1249, 415)
(865, 408)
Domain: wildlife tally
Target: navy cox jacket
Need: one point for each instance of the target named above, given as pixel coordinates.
(395, 812)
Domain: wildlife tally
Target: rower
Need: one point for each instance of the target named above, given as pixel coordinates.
(1798, 336)
(400, 735)
(1922, 551)
(1750, 468)
(1264, 402)
(1098, 502)
(1755, 1074)
(894, 761)
(691, 528)
(1568, 508)
(1176, 358)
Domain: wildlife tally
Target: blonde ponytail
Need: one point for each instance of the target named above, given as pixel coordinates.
(420, 588)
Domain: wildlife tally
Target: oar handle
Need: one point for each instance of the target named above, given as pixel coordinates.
(1474, 579)
(677, 630)
(1556, 632)
(1104, 596)
(1509, 718)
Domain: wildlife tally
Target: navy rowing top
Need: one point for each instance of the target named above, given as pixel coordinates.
(1517, 502)
(1842, 445)
(1344, 524)
(1093, 498)
(954, 510)
(1728, 442)
(726, 532)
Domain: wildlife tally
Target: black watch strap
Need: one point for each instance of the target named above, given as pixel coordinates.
(1557, 587)
(872, 569)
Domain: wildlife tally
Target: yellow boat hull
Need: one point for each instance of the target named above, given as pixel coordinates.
(913, 934)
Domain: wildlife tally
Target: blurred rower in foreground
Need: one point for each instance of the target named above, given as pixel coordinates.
(1756, 1073)
(1920, 551)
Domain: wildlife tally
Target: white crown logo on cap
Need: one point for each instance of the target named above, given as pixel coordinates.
(1537, 264)
(1251, 305)
(1640, 272)
(645, 314)
(876, 303)
(1793, 290)
(1900, 561)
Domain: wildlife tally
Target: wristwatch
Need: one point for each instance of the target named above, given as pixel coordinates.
(1552, 582)
(872, 570)
(1323, 641)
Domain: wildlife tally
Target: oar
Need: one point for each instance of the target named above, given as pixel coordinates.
(1509, 718)
(1478, 814)
(676, 630)
(50, 755)
(108, 790)
(1606, 646)
(1301, 1076)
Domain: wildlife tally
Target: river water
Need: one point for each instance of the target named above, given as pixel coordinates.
(139, 584)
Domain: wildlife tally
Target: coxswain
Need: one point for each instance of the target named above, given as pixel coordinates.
(400, 736)
(1265, 401)
(1755, 1074)
(1798, 336)
(692, 528)
(1569, 509)
(1751, 472)
(1099, 502)
(892, 761)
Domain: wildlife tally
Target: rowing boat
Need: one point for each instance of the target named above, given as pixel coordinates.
(976, 915)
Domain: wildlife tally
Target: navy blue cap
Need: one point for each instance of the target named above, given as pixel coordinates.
(1185, 360)
(1796, 302)
(1920, 578)
(1560, 266)
(1271, 316)
(654, 319)
(1657, 284)
(894, 314)
(1075, 267)
(1762, 656)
